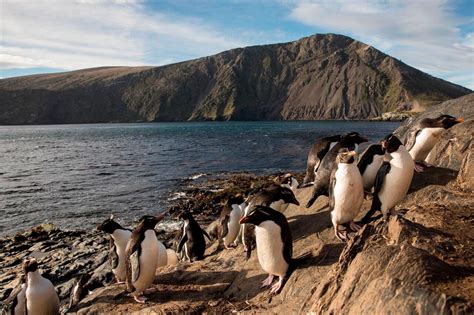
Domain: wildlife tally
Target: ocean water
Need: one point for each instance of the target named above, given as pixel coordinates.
(76, 175)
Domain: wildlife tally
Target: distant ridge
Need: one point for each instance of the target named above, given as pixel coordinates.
(318, 77)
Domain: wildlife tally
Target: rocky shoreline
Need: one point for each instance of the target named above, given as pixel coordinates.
(419, 263)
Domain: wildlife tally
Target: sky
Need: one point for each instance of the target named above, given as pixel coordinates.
(40, 36)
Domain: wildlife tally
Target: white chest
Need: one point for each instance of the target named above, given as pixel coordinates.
(148, 261)
(20, 301)
(398, 180)
(425, 141)
(348, 193)
(270, 248)
(233, 225)
(41, 297)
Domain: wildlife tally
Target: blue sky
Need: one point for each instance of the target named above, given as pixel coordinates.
(436, 36)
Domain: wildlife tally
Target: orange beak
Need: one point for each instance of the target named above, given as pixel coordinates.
(160, 217)
(460, 120)
(243, 220)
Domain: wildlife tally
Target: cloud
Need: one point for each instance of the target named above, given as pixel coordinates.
(71, 35)
(425, 34)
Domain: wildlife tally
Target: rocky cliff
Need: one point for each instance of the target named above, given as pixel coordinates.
(319, 77)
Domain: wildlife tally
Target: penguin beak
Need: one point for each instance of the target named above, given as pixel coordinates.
(353, 153)
(384, 144)
(243, 220)
(160, 217)
(460, 120)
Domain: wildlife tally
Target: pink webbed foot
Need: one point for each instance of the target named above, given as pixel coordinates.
(120, 282)
(341, 235)
(268, 281)
(419, 167)
(277, 286)
(140, 299)
(354, 227)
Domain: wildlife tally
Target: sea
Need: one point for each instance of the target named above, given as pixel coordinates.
(75, 176)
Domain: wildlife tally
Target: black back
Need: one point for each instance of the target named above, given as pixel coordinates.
(368, 156)
(193, 237)
(316, 154)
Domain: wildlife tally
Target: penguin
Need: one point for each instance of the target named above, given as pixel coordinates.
(141, 257)
(287, 180)
(119, 237)
(192, 238)
(172, 257)
(274, 243)
(15, 304)
(229, 221)
(275, 197)
(41, 297)
(393, 178)
(321, 181)
(369, 163)
(422, 138)
(79, 291)
(315, 156)
(346, 193)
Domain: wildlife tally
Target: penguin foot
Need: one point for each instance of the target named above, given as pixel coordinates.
(341, 235)
(120, 282)
(140, 299)
(268, 281)
(277, 286)
(354, 227)
(419, 167)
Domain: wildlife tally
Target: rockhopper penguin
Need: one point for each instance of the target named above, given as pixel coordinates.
(192, 239)
(229, 221)
(41, 297)
(119, 237)
(323, 175)
(346, 193)
(15, 304)
(422, 138)
(274, 243)
(393, 178)
(141, 257)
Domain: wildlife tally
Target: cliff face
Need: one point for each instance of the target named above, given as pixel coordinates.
(318, 77)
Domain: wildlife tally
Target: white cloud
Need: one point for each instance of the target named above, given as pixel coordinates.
(425, 34)
(89, 33)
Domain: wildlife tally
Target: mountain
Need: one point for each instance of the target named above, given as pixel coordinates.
(318, 77)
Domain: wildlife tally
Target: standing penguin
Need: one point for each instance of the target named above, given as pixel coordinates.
(41, 297)
(141, 257)
(15, 304)
(369, 163)
(79, 291)
(323, 175)
(315, 156)
(274, 243)
(422, 138)
(119, 237)
(275, 197)
(229, 221)
(393, 178)
(192, 239)
(346, 193)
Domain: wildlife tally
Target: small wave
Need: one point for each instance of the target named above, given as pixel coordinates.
(177, 195)
(105, 174)
(196, 176)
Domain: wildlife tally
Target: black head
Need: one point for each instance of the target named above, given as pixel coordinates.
(288, 196)
(185, 215)
(235, 200)
(443, 121)
(148, 222)
(346, 157)
(109, 225)
(390, 143)
(285, 179)
(258, 215)
(30, 265)
(353, 138)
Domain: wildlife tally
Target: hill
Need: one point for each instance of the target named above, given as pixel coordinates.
(318, 77)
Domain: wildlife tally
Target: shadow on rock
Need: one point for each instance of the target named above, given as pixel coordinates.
(305, 225)
(432, 176)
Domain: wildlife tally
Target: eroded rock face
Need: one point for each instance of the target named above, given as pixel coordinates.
(318, 77)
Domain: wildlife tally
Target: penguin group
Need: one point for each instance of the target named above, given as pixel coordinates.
(334, 169)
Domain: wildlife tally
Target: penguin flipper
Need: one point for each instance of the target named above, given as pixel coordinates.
(183, 240)
(113, 256)
(332, 184)
(135, 265)
(11, 302)
(207, 235)
(224, 227)
(379, 180)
